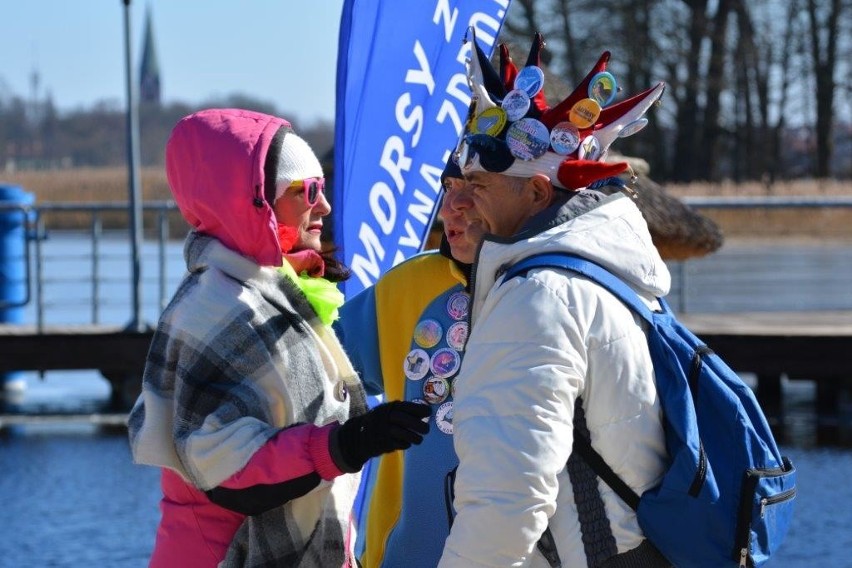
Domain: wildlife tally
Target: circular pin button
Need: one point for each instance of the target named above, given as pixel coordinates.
(516, 103)
(427, 333)
(490, 121)
(444, 418)
(602, 88)
(445, 362)
(584, 113)
(590, 148)
(416, 364)
(565, 137)
(436, 390)
(457, 335)
(530, 79)
(458, 304)
(528, 139)
(633, 127)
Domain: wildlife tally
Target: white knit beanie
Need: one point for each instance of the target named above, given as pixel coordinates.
(295, 162)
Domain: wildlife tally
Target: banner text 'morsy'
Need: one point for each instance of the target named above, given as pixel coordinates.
(398, 215)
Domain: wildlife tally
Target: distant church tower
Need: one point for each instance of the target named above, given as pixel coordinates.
(149, 73)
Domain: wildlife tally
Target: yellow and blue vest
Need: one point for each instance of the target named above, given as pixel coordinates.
(405, 335)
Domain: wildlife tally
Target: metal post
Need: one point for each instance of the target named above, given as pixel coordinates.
(164, 237)
(39, 274)
(135, 204)
(96, 266)
(684, 286)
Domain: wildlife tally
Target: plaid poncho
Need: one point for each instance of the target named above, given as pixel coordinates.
(238, 356)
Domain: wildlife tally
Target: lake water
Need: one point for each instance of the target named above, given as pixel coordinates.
(70, 496)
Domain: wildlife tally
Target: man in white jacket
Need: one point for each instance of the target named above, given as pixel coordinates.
(551, 350)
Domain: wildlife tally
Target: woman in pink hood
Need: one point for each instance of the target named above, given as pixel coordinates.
(249, 404)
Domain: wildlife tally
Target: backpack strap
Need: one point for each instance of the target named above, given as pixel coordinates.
(626, 294)
(590, 270)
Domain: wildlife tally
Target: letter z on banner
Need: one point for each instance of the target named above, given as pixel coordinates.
(402, 96)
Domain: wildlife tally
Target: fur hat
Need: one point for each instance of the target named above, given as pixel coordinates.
(296, 161)
(511, 129)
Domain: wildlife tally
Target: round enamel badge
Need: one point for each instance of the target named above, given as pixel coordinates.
(457, 305)
(444, 418)
(416, 365)
(528, 139)
(428, 333)
(530, 79)
(457, 335)
(445, 362)
(516, 103)
(436, 390)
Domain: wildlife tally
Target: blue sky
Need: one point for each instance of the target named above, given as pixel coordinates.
(283, 51)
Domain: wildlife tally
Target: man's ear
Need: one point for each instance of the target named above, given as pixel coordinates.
(541, 190)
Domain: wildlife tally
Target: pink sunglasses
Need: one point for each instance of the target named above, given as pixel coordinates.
(313, 188)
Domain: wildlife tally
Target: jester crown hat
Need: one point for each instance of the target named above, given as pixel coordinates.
(511, 130)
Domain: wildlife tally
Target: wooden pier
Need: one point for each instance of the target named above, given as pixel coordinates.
(119, 354)
(810, 346)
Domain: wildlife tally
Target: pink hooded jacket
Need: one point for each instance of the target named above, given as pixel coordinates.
(233, 145)
(215, 166)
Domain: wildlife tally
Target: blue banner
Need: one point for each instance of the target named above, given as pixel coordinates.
(402, 97)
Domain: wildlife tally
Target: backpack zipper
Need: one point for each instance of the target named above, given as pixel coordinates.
(752, 477)
(744, 557)
(775, 499)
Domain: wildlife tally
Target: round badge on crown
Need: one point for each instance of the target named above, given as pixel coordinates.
(528, 139)
(584, 113)
(633, 127)
(490, 121)
(590, 148)
(564, 138)
(530, 79)
(602, 88)
(516, 103)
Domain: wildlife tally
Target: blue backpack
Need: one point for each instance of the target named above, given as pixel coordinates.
(726, 498)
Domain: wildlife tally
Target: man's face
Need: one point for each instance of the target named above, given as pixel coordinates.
(482, 203)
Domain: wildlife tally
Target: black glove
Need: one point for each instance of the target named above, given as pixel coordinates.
(388, 427)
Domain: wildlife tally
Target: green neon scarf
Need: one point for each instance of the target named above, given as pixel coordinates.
(322, 294)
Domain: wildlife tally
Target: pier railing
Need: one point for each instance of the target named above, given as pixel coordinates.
(160, 218)
(160, 214)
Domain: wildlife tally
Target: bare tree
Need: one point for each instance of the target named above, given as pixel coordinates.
(824, 20)
(710, 128)
(738, 81)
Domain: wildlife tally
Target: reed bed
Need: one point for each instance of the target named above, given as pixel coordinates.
(111, 185)
(96, 185)
(796, 224)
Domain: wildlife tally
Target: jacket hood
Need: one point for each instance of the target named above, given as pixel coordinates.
(611, 232)
(214, 164)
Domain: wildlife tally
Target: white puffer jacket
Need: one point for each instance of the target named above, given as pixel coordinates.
(536, 344)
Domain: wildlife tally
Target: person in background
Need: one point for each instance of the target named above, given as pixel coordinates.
(249, 404)
(550, 353)
(405, 337)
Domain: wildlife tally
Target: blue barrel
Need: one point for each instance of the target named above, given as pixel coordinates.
(13, 267)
